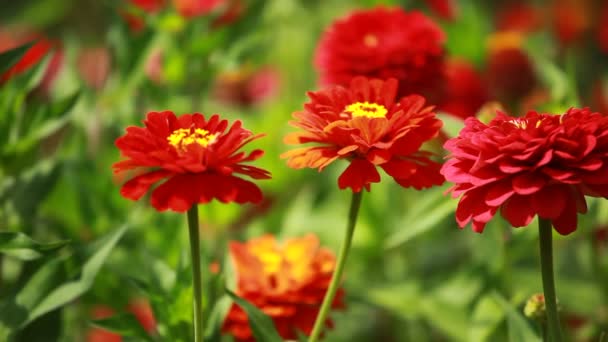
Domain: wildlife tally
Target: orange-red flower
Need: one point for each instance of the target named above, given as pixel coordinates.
(369, 126)
(286, 281)
(540, 164)
(197, 157)
(383, 43)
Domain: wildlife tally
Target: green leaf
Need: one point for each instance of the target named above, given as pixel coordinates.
(451, 124)
(519, 329)
(11, 57)
(51, 287)
(21, 246)
(262, 326)
(125, 324)
(487, 316)
(423, 216)
(218, 314)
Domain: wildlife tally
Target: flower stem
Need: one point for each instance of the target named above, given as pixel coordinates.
(335, 279)
(546, 263)
(195, 253)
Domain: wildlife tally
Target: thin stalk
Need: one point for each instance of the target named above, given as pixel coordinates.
(337, 276)
(546, 264)
(195, 253)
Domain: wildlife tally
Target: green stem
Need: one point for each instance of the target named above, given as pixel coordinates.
(337, 276)
(195, 253)
(546, 263)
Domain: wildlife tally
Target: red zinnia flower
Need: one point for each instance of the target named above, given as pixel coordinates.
(383, 43)
(540, 164)
(194, 8)
(521, 17)
(465, 90)
(33, 56)
(367, 125)
(446, 9)
(287, 282)
(197, 158)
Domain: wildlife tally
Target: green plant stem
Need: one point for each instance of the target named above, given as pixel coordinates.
(195, 253)
(546, 264)
(337, 276)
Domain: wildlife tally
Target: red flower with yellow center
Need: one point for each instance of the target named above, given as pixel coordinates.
(383, 43)
(287, 282)
(196, 157)
(540, 164)
(368, 126)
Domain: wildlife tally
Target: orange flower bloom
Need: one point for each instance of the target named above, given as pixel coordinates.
(286, 281)
(367, 125)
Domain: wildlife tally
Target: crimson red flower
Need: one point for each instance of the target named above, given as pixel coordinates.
(520, 16)
(383, 43)
(540, 164)
(196, 157)
(510, 74)
(287, 282)
(446, 9)
(194, 8)
(602, 30)
(465, 90)
(33, 56)
(369, 126)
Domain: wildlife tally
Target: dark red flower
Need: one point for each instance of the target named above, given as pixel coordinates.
(540, 164)
(570, 20)
(383, 43)
(196, 157)
(521, 17)
(602, 30)
(510, 73)
(195, 8)
(369, 126)
(286, 281)
(245, 86)
(446, 9)
(33, 56)
(465, 90)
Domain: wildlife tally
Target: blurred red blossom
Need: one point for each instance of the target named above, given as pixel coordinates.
(245, 86)
(194, 8)
(94, 65)
(540, 164)
(286, 281)
(383, 43)
(139, 308)
(135, 20)
(446, 9)
(570, 20)
(521, 17)
(602, 29)
(12, 38)
(369, 126)
(197, 157)
(465, 89)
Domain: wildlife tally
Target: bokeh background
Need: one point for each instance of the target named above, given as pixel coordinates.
(412, 274)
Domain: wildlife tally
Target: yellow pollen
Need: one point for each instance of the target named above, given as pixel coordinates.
(523, 123)
(180, 138)
(370, 110)
(370, 40)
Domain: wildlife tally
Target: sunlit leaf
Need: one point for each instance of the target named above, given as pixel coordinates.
(21, 246)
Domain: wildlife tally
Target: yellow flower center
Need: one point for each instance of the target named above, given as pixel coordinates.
(523, 123)
(370, 110)
(370, 40)
(182, 137)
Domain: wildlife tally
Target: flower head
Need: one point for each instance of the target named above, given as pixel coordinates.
(286, 281)
(369, 126)
(539, 164)
(197, 157)
(383, 43)
(465, 90)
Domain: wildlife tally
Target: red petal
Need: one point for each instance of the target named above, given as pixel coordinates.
(528, 183)
(359, 173)
(518, 211)
(498, 193)
(550, 201)
(399, 168)
(138, 186)
(566, 222)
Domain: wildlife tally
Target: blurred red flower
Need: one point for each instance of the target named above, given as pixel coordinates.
(135, 20)
(570, 20)
(521, 17)
(539, 164)
(246, 87)
(195, 8)
(369, 126)
(602, 29)
(94, 65)
(139, 308)
(510, 73)
(34, 54)
(465, 90)
(446, 9)
(286, 281)
(383, 43)
(196, 157)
